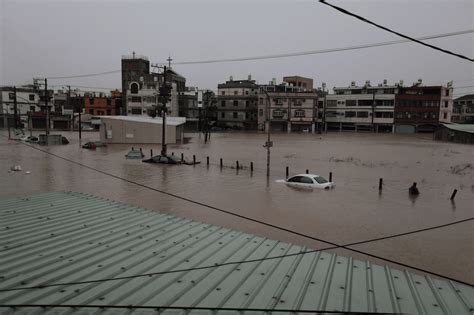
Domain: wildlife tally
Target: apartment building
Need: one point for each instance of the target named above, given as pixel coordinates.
(194, 104)
(463, 110)
(361, 108)
(290, 106)
(101, 104)
(27, 100)
(140, 87)
(237, 104)
(420, 108)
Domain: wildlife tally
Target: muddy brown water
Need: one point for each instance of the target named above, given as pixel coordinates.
(354, 211)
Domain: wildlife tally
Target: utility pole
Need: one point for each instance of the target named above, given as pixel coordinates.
(71, 121)
(80, 112)
(15, 109)
(324, 109)
(373, 109)
(164, 91)
(46, 97)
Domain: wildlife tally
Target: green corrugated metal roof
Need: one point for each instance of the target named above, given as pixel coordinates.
(461, 127)
(71, 237)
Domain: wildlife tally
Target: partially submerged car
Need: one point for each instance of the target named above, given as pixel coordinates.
(93, 145)
(164, 159)
(307, 181)
(135, 154)
(30, 139)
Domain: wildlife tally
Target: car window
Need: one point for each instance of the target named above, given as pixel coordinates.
(295, 179)
(320, 180)
(306, 180)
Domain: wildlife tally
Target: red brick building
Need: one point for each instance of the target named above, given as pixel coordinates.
(99, 104)
(421, 108)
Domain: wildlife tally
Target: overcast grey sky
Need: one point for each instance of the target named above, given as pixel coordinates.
(60, 38)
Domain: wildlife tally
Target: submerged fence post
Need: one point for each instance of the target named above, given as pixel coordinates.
(151, 152)
(182, 157)
(287, 172)
(221, 162)
(453, 194)
(194, 159)
(207, 160)
(141, 150)
(330, 176)
(172, 153)
(307, 171)
(380, 183)
(237, 164)
(251, 166)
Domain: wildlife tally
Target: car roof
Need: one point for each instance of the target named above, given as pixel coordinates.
(308, 175)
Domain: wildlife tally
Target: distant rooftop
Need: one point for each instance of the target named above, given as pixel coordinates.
(134, 57)
(465, 97)
(174, 121)
(162, 260)
(469, 128)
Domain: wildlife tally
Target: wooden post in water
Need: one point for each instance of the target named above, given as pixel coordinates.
(287, 172)
(182, 157)
(207, 160)
(307, 171)
(172, 153)
(221, 162)
(330, 176)
(237, 164)
(380, 183)
(453, 194)
(141, 150)
(194, 159)
(151, 152)
(251, 166)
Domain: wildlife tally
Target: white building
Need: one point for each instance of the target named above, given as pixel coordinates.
(136, 129)
(27, 100)
(360, 108)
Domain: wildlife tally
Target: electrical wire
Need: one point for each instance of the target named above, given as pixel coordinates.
(275, 56)
(394, 32)
(185, 308)
(249, 218)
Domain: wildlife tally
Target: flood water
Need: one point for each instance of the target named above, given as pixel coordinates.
(354, 211)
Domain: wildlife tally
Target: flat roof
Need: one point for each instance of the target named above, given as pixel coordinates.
(173, 121)
(460, 127)
(73, 244)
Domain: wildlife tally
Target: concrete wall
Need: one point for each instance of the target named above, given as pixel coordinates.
(137, 132)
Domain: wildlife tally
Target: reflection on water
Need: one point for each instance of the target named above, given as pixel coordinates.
(354, 210)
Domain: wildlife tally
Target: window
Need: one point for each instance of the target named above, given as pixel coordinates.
(445, 115)
(247, 103)
(223, 93)
(134, 88)
(260, 101)
(445, 104)
(109, 112)
(136, 111)
(350, 114)
(299, 113)
(235, 115)
(236, 103)
(109, 102)
(330, 103)
(351, 102)
(277, 114)
(32, 97)
(306, 180)
(447, 92)
(91, 101)
(363, 114)
(91, 111)
(222, 115)
(320, 104)
(260, 112)
(295, 179)
(236, 92)
(320, 180)
(135, 99)
(222, 103)
(246, 92)
(32, 108)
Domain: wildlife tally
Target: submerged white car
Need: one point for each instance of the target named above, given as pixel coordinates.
(307, 181)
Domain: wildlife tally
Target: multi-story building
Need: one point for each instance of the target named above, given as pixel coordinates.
(361, 108)
(140, 87)
(100, 104)
(421, 108)
(27, 100)
(289, 106)
(237, 104)
(463, 110)
(193, 104)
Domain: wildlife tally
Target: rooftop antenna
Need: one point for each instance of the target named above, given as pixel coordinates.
(133, 54)
(169, 61)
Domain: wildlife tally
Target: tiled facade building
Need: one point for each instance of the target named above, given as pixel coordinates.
(463, 110)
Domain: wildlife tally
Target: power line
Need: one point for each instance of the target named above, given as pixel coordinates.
(245, 217)
(395, 32)
(87, 87)
(239, 262)
(293, 54)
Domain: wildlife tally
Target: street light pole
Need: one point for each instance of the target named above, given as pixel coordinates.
(269, 143)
